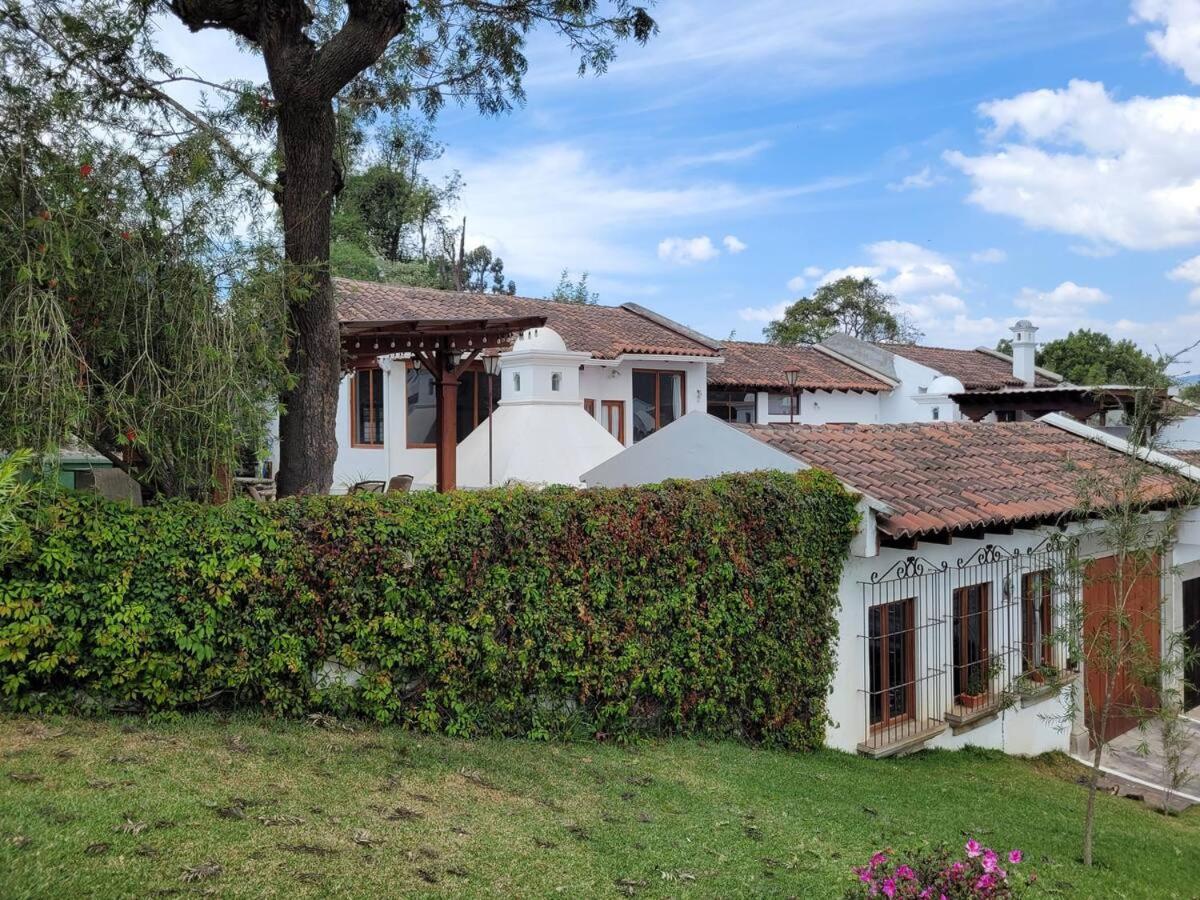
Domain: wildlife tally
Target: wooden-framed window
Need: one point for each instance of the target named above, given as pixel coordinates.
(471, 408)
(733, 406)
(783, 404)
(1037, 619)
(612, 417)
(589, 407)
(891, 662)
(366, 408)
(972, 675)
(658, 400)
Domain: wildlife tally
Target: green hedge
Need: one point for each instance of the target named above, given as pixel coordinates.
(704, 607)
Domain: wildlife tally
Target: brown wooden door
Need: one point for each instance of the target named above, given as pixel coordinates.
(1141, 588)
(612, 417)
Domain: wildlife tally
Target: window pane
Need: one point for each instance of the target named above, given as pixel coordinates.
(670, 398)
(643, 404)
(377, 404)
(779, 404)
(421, 418)
(876, 664)
(368, 406)
(465, 405)
(732, 406)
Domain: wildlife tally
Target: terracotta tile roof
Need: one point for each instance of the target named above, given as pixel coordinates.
(603, 331)
(956, 476)
(977, 370)
(760, 367)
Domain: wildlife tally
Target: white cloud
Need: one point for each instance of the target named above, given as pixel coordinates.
(1178, 42)
(685, 251)
(1188, 271)
(813, 271)
(718, 157)
(907, 269)
(918, 181)
(1066, 299)
(797, 284)
(732, 244)
(763, 313)
(1078, 161)
(991, 255)
(555, 204)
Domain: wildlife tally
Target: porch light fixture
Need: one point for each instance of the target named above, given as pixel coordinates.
(491, 365)
(792, 375)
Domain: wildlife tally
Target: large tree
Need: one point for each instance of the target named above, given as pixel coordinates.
(854, 306)
(325, 59)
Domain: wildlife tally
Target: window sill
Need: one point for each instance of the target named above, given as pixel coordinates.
(967, 718)
(905, 739)
(1032, 695)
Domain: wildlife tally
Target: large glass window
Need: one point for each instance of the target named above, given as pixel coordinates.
(732, 406)
(972, 670)
(366, 401)
(657, 401)
(890, 627)
(471, 408)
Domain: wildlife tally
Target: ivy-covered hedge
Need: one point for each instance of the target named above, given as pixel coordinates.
(702, 607)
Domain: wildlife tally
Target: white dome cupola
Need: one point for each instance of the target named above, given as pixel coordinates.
(540, 369)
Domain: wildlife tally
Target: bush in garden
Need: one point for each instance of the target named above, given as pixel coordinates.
(688, 607)
(939, 874)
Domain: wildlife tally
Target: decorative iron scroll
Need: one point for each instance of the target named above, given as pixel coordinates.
(910, 567)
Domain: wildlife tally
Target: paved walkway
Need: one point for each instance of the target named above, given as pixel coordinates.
(1138, 772)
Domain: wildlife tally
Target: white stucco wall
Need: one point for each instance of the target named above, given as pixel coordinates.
(906, 403)
(823, 407)
(1182, 434)
(614, 381)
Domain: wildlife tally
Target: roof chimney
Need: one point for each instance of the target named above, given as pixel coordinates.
(1024, 351)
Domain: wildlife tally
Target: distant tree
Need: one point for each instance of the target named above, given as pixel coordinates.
(854, 306)
(1191, 392)
(1092, 357)
(483, 271)
(568, 291)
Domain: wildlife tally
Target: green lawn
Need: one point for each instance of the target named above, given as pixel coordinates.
(125, 808)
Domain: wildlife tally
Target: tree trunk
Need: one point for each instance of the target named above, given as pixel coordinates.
(307, 429)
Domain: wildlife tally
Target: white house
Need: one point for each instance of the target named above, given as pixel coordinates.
(956, 574)
(628, 369)
(844, 379)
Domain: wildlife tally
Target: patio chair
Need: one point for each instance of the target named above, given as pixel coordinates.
(399, 484)
(367, 487)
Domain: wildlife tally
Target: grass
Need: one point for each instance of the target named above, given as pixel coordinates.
(247, 807)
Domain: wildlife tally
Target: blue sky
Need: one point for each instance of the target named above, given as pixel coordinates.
(985, 160)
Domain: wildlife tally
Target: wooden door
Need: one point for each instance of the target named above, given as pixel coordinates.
(612, 417)
(1141, 588)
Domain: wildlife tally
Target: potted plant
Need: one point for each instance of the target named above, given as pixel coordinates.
(976, 693)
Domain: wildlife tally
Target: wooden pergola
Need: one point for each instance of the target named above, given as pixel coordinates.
(446, 347)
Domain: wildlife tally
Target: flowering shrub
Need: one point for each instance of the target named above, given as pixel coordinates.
(940, 874)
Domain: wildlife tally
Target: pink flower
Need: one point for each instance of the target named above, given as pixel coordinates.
(985, 882)
(973, 848)
(1014, 856)
(889, 888)
(957, 868)
(864, 874)
(878, 859)
(906, 873)
(989, 861)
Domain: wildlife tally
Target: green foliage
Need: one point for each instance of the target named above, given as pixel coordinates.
(127, 321)
(704, 607)
(1190, 392)
(15, 493)
(1092, 357)
(853, 306)
(568, 291)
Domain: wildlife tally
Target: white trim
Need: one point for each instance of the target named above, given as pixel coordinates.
(1112, 442)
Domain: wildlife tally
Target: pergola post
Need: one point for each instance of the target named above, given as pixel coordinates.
(447, 423)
